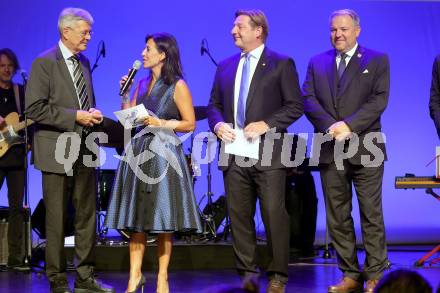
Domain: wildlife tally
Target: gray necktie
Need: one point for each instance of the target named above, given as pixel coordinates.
(342, 65)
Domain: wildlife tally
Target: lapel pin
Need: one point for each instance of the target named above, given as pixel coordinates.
(263, 64)
(359, 55)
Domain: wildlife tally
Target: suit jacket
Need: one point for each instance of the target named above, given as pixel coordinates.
(358, 98)
(274, 97)
(52, 102)
(434, 100)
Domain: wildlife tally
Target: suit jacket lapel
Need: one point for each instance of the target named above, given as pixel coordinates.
(66, 76)
(332, 74)
(352, 69)
(229, 77)
(262, 66)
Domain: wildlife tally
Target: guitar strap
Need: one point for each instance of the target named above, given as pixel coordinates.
(17, 98)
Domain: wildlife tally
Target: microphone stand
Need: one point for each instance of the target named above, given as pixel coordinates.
(27, 209)
(206, 50)
(98, 55)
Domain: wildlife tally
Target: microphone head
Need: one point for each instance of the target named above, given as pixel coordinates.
(137, 64)
(23, 73)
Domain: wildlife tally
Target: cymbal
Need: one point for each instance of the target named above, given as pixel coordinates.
(200, 112)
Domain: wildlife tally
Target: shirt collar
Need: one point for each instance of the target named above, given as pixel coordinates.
(255, 53)
(351, 52)
(64, 50)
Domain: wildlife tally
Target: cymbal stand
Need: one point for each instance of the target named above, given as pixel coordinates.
(209, 228)
(101, 230)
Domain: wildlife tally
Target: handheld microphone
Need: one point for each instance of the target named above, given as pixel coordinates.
(103, 49)
(131, 74)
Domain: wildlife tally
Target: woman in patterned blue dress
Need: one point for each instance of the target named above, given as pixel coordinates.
(153, 190)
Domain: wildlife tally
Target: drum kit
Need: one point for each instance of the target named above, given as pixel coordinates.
(211, 216)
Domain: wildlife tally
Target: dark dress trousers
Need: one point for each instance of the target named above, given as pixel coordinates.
(275, 98)
(359, 98)
(52, 102)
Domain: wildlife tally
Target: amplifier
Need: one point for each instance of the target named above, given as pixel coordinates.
(4, 251)
(3, 235)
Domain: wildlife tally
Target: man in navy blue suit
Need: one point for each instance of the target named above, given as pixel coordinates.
(253, 92)
(345, 93)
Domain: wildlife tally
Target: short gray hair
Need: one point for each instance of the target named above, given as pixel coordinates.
(349, 12)
(69, 16)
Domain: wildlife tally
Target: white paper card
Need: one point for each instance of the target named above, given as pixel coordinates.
(242, 146)
(132, 117)
(437, 162)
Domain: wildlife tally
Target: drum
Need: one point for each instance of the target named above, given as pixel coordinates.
(105, 180)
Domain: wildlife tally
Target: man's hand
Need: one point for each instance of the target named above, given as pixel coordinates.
(225, 132)
(89, 118)
(97, 115)
(255, 129)
(340, 131)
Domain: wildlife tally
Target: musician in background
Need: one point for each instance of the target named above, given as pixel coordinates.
(12, 162)
(434, 101)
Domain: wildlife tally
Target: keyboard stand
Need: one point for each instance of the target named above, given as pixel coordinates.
(436, 249)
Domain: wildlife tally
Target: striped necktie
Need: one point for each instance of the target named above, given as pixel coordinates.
(80, 83)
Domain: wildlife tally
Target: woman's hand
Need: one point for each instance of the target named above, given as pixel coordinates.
(153, 121)
(123, 81)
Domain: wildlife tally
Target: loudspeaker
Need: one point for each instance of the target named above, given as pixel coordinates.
(4, 249)
(38, 220)
(218, 210)
(302, 206)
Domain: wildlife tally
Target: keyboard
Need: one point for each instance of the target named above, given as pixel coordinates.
(416, 182)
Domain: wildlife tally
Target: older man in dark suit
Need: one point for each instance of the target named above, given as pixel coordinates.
(346, 91)
(61, 101)
(253, 92)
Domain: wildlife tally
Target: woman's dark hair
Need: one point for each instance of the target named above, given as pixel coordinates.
(11, 56)
(172, 68)
(404, 281)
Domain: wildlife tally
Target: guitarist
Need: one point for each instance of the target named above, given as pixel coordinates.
(12, 163)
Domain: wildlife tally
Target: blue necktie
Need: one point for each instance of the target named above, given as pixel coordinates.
(244, 90)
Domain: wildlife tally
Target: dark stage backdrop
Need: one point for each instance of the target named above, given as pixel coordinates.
(406, 30)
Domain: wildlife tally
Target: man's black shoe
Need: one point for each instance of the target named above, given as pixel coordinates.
(19, 268)
(91, 285)
(60, 286)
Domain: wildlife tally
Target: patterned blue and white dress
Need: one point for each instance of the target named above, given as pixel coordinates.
(153, 189)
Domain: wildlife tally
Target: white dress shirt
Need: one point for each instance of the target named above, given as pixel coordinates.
(70, 65)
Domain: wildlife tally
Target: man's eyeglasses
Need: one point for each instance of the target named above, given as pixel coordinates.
(83, 34)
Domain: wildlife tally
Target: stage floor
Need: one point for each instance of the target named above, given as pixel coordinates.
(306, 275)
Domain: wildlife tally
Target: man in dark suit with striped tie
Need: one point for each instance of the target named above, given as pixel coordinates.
(61, 101)
(345, 93)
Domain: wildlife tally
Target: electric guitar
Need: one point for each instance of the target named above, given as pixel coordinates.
(9, 132)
